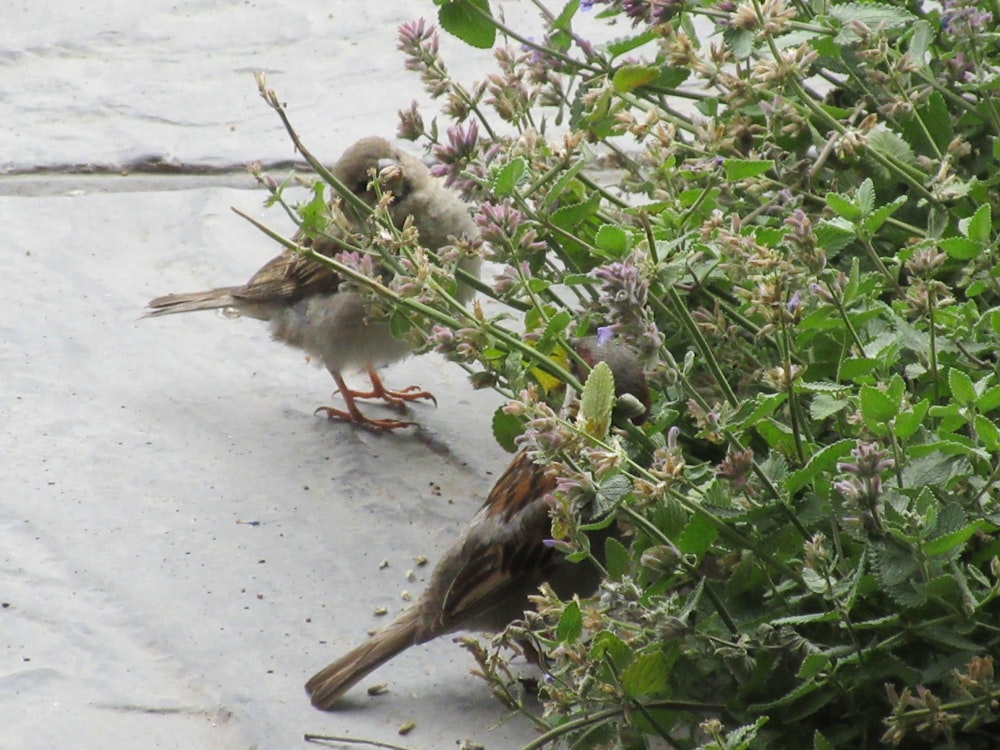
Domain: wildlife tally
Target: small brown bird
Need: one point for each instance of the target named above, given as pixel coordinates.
(484, 580)
(309, 306)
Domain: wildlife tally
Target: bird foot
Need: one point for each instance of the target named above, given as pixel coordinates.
(394, 398)
(377, 426)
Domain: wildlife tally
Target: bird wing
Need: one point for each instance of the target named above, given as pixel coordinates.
(288, 278)
(515, 518)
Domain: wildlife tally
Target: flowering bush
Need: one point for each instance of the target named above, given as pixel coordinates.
(786, 207)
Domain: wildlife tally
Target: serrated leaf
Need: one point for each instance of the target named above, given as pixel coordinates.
(843, 207)
(741, 169)
(607, 643)
(865, 196)
(615, 558)
(570, 624)
(568, 217)
(824, 405)
(987, 432)
(597, 401)
(990, 399)
(465, 20)
(562, 21)
(697, 537)
(313, 215)
(830, 616)
(834, 234)
(555, 192)
(613, 240)
(739, 41)
(822, 461)
(646, 675)
(871, 15)
(962, 389)
(891, 144)
(555, 327)
(961, 248)
(952, 541)
(622, 46)
(506, 428)
(909, 421)
(978, 226)
(630, 77)
(812, 665)
(855, 367)
(920, 41)
(610, 493)
(507, 179)
(877, 407)
(874, 221)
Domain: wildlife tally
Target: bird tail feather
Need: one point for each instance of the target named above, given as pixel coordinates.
(328, 685)
(213, 299)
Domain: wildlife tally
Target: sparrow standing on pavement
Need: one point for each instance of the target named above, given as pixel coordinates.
(309, 306)
(483, 582)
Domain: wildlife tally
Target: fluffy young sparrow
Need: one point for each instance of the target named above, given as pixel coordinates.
(483, 582)
(309, 306)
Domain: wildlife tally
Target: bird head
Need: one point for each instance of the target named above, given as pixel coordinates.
(631, 386)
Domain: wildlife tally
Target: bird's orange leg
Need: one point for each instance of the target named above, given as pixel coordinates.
(397, 399)
(354, 415)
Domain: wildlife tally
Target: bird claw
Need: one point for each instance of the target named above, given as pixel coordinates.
(395, 398)
(377, 426)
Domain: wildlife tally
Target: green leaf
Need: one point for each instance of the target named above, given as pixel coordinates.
(865, 197)
(739, 41)
(877, 407)
(621, 46)
(615, 558)
(821, 462)
(630, 77)
(507, 179)
(920, 41)
(843, 207)
(833, 235)
(697, 536)
(824, 405)
(871, 15)
(506, 427)
(874, 221)
(568, 217)
(741, 169)
(820, 742)
(597, 401)
(961, 248)
(978, 226)
(313, 215)
(891, 144)
(990, 400)
(852, 369)
(607, 643)
(570, 624)
(557, 324)
(646, 675)
(613, 240)
(563, 20)
(950, 542)
(962, 389)
(465, 19)
(812, 665)
(987, 432)
(909, 421)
